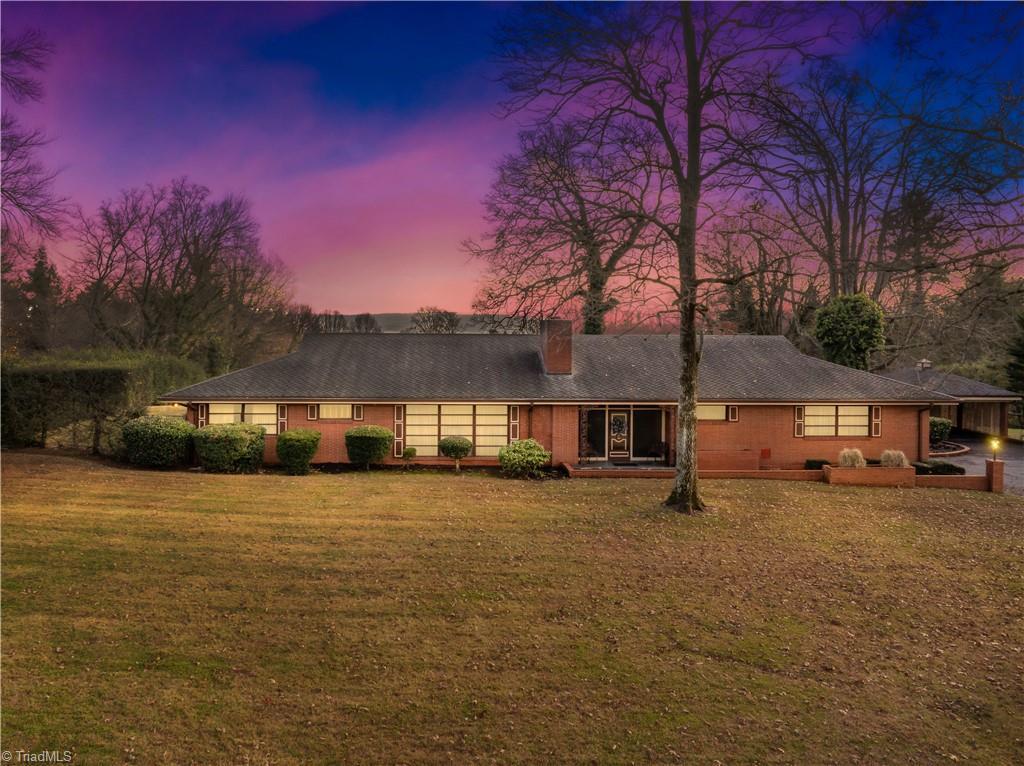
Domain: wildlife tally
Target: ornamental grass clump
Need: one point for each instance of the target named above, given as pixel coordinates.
(230, 447)
(455, 447)
(852, 458)
(894, 458)
(368, 444)
(524, 459)
(296, 448)
(156, 441)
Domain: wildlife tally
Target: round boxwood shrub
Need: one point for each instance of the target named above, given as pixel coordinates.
(230, 447)
(408, 454)
(295, 450)
(156, 441)
(368, 444)
(523, 459)
(455, 447)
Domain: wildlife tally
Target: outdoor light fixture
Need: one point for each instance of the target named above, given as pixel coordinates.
(995, 444)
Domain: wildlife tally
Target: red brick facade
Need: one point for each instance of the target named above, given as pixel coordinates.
(762, 436)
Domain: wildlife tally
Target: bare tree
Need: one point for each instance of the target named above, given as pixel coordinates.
(568, 215)
(431, 319)
(365, 323)
(686, 71)
(168, 268)
(30, 204)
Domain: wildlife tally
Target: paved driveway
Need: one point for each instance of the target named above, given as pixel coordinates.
(974, 461)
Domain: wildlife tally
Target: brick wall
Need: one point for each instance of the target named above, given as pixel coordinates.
(764, 431)
(768, 431)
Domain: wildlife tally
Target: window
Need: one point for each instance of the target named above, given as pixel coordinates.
(282, 418)
(832, 420)
(262, 415)
(421, 424)
(711, 412)
(486, 425)
(202, 415)
(357, 412)
(399, 430)
(222, 412)
(335, 411)
(734, 413)
(311, 411)
(492, 428)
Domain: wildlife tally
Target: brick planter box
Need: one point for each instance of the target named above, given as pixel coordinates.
(870, 476)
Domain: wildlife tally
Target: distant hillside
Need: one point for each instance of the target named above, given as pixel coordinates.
(402, 322)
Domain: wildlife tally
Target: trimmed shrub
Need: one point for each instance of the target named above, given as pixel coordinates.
(407, 456)
(852, 458)
(939, 429)
(938, 468)
(368, 444)
(816, 464)
(295, 450)
(155, 441)
(894, 458)
(229, 447)
(523, 459)
(455, 447)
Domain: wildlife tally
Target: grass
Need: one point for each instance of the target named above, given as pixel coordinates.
(428, 618)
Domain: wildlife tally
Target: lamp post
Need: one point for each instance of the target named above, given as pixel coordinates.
(995, 444)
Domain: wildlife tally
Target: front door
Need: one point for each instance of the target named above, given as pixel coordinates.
(618, 435)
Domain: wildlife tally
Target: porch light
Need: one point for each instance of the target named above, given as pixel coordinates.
(995, 444)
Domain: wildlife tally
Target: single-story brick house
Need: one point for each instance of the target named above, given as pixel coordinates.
(978, 407)
(587, 398)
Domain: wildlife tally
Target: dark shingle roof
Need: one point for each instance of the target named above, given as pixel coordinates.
(948, 383)
(508, 368)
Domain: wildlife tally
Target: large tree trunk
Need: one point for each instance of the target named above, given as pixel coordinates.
(685, 496)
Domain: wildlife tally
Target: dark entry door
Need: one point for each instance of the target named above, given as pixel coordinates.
(618, 434)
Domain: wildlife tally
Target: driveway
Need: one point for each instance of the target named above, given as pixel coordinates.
(974, 461)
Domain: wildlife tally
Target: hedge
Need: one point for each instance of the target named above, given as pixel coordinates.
(295, 449)
(937, 468)
(455, 447)
(42, 393)
(939, 429)
(524, 459)
(154, 441)
(368, 444)
(229, 447)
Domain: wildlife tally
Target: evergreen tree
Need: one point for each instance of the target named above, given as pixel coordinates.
(849, 328)
(1015, 365)
(42, 290)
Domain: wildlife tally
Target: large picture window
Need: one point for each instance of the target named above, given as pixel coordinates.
(262, 415)
(335, 411)
(711, 412)
(836, 420)
(257, 413)
(486, 425)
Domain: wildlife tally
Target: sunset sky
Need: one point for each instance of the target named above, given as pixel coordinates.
(364, 135)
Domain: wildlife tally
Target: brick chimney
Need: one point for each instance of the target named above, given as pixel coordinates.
(556, 346)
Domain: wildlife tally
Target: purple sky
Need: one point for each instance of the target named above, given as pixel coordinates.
(365, 136)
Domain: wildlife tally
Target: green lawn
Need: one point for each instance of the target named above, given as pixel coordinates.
(423, 617)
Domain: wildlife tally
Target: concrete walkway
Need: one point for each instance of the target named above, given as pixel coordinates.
(974, 461)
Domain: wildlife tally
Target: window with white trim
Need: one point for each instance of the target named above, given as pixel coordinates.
(335, 411)
(836, 419)
(711, 412)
